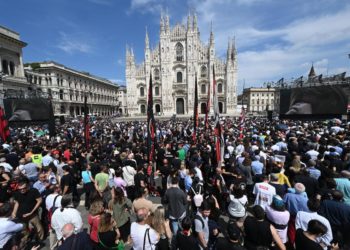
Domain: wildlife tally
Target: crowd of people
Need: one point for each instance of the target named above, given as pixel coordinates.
(281, 185)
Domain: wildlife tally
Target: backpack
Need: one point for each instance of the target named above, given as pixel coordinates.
(198, 197)
(197, 217)
(52, 210)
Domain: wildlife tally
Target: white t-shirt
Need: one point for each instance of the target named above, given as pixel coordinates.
(128, 175)
(61, 218)
(49, 201)
(264, 193)
(137, 234)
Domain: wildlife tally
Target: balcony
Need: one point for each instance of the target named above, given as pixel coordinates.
(179, 86)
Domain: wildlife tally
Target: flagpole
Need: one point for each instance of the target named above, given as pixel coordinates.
(195, 111)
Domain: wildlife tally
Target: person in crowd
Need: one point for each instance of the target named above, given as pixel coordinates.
(343, 185)
(278, 216)
(108, 233)
(176, 199)
(184, 238)
(27, 201)
(263, 192)
(142, 201)
(307, 239)
(88, 182)
(73, 240)
(121, 207)
(128, 176)
(142, 235)
(233, 241)
(8, 228)
(259, 232)
(161, 225)
(101, 184)
(65, 215)
(303, 217)
(202, 226)
(95, 211)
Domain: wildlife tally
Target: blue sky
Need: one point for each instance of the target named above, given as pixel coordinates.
(274, 38)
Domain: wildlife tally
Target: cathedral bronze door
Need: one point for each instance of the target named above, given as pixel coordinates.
(180, 106)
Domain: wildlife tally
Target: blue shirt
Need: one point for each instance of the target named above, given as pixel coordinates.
(257, 167)
(40, 186)
(314, 172)
(343, 185)
(86, 176)
(188, 182)
(295, 203)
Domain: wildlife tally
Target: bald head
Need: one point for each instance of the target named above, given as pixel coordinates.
(67, 230)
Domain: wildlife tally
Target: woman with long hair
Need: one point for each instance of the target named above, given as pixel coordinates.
(162, 227)
(96, 209)
(121, 207)
(108, 233)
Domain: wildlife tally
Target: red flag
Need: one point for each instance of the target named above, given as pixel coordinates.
(4, 130)
(195, 112)
(241, 123)
(207, 109)
(151, 127)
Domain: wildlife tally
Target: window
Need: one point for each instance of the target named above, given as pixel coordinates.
(143, 109)
(203, 71)
(156, 74)
(142, 91)
(220, 88)
(179, 52)
(203, 89)
(221, 107)
(179, 77)
(156, 91)
(5, 68)
(157, 108)
(12, 68)
(61, 94)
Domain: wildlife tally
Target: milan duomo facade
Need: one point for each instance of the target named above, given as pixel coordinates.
(175, 61)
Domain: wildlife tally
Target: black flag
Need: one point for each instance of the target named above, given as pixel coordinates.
(150, 127)
(195, 112)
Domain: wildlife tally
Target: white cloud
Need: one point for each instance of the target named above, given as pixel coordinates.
(144, 6)
(73, 43)
(120, 62)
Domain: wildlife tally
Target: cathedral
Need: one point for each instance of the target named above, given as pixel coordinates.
(174, 64)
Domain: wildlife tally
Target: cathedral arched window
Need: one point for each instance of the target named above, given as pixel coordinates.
(179, 52)
(204, 71)
(203, 89)
(143, 109)
(179, 77)
(142, 91)
(156, 74)
(220, 88)
(156, 91)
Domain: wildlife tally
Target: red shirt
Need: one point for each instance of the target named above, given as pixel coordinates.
(67, 154)
(94, 221)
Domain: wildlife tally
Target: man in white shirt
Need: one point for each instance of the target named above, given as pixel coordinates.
(51, 197)
(47, 159)
(302, 219)
(140, 231)
(312, 153)
(65, 215)
(264, 192)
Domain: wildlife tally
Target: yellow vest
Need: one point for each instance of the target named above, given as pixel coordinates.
(37, 159)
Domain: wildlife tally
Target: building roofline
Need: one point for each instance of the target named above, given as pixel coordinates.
(48, 64)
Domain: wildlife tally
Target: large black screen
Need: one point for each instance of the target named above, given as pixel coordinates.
(330, 100)
(31, 109)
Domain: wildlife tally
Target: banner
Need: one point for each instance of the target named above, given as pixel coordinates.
(207, 109)
(195, 112)
(219, 138)
(241, 123)
(86, 124)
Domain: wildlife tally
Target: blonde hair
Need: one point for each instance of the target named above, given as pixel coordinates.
(96, 208)
(158, 219)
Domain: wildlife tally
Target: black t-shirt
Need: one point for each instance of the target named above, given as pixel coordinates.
(280, 189)
(225, 244)
(302, 242)
(67, 180)
(26, 201)
(184, 242)
(95, 169)
(138, 178)
(257, 233)
(176, 163)
(108, 239)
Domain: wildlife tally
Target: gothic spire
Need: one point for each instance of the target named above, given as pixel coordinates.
(312, 71)
(195, 22)
(161, 23)
(146, 40)
(233, 49)
(167, 25)
(211, 40)
(188, 22)
(229, 49)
